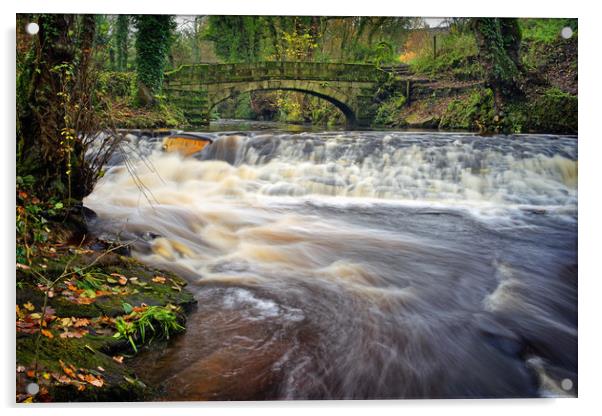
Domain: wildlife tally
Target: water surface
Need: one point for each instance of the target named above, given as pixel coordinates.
(353, 265)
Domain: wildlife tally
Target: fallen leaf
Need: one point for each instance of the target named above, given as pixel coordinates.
(74, 334)
(118, 359)
(23, 266)
(20, 369)
(61, 378)
(100, 368)
(81, 322)
(29, 306)
(123, 280)
(95, 381)
(47, 333)
(159, 279)
(69, 372)
(31, 373)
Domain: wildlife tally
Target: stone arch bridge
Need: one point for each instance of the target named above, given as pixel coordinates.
(196, 89)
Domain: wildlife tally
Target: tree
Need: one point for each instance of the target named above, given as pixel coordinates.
(498, 40)
(152, 53)
(122, 28)
(58, 117)
(236, 38)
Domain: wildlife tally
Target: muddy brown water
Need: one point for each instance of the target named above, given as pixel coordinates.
(358, 265)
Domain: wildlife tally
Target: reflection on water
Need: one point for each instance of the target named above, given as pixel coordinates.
(359, 264)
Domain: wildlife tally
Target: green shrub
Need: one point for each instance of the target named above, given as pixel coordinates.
(545, 30)
(160, 321)
(117, 84)
(454, 53)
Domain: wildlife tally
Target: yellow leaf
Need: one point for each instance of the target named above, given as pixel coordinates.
(29, 306)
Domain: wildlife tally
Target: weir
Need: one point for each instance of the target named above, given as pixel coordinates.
(354, 265)
(352, 88)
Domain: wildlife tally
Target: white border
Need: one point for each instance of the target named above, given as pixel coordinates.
(590, 154)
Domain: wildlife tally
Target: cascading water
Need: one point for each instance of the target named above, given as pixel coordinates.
(359, 264)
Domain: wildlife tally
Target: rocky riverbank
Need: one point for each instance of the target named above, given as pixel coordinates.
(84, 308)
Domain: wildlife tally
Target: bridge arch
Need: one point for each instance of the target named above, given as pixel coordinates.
(352, 88)
(316, 89)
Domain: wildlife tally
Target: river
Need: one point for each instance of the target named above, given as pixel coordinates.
(358, 265)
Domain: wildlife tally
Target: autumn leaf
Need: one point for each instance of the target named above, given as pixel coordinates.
(47, 333)
(31, 373)
(95, 381)
(118, 359)
(69, 372)
(66, 322)
(81, 322)
(23, 266)
(159, 279)
(29, 306)
(74, 334)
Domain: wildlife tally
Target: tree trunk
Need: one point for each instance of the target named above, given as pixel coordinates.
(57, 101)
(498, 40)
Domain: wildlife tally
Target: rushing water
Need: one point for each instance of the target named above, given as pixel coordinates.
(359, 264)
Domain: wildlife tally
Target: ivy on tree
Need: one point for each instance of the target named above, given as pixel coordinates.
(499, 41)
(152, 50)
(121, 38)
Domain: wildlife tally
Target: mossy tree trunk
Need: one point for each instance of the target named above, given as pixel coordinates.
(152, 53)
(53, 102)
(121, 36)
(499, 40)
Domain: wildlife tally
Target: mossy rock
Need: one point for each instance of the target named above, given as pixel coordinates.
(554, 111)
(120, 384)
(95, 348)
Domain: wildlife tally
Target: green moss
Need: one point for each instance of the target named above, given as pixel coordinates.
(472, 113)
(96, 348)
(554, 111)
(120, 383)
(388, 112)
